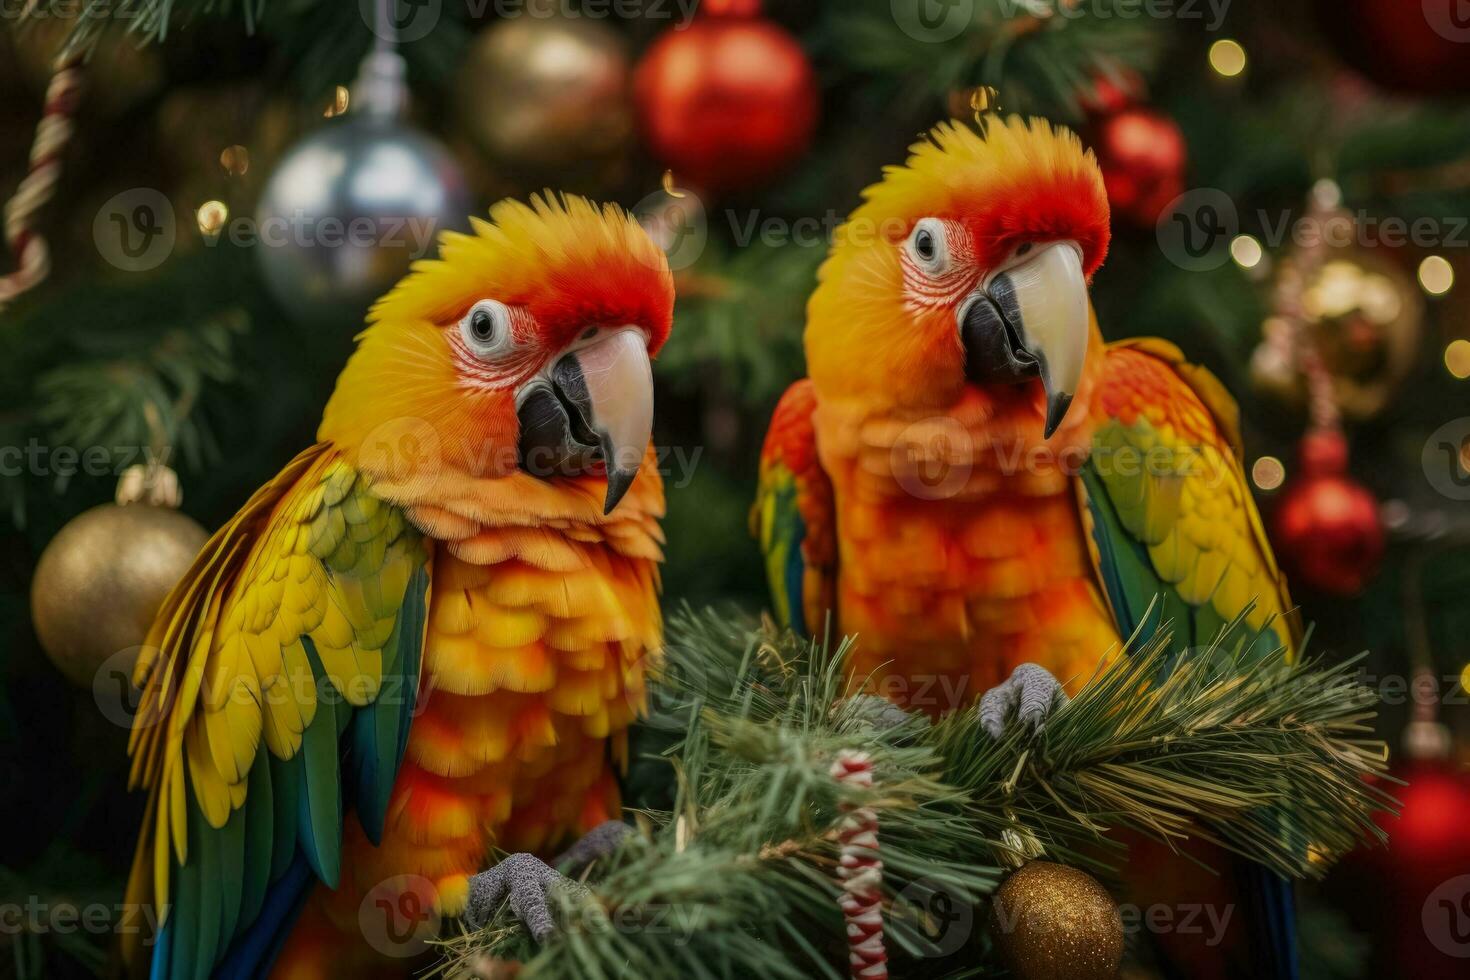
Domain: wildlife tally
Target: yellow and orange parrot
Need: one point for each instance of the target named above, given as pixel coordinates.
(970, 481)
(426, 636)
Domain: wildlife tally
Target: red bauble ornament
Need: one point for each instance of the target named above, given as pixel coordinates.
(1420, 46)
(1110, 95)
(729, 101)
(1142, 155)
(1327, 529)
(1412, 896)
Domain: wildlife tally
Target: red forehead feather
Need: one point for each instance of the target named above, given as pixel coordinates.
(606, 290)
(1039, 207)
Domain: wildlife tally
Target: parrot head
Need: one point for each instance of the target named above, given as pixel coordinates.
(966, 268)
(524, 347)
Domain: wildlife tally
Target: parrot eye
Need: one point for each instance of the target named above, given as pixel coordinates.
(928, 246)
(486, 328)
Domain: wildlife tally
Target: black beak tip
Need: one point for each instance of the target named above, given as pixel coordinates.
(1056, 410)
(618, 482)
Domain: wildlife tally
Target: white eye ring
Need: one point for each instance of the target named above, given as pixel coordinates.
(928, 246)
(486, 329)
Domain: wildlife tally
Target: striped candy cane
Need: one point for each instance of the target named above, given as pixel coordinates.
(861, 871)
(27, 247)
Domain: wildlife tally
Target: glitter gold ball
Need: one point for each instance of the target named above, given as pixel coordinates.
(1052, 922)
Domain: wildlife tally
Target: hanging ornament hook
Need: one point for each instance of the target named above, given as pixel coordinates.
(985, 103)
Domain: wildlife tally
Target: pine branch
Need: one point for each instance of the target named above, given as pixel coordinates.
(1269, 764)
(1041, 55)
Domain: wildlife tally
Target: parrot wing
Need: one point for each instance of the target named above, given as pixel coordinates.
(278, 683)
(793, 515)
(1166, 506)
(1175, 537)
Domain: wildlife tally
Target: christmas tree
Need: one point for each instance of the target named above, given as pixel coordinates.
(1288, 189)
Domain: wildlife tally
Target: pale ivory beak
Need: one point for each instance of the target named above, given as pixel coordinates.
(1031, 321)
(596, 404)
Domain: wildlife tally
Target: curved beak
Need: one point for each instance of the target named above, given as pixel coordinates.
(596, 404)
(1031, 322)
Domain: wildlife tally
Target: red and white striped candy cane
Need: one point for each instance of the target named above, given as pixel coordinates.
(27, 248)
(861, 871)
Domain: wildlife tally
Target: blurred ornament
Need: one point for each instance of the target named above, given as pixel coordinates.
(729, 101)
(1113, 93)
(101, 580)
(546, 97)
(354, 203)
(1412, 894)
(1364, 317)
(1327, 528)
(1420, 47)
(1142, 156)
(1052, 922)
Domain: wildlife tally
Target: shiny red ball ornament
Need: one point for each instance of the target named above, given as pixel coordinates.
(727, 102)
(1417, 46)
(1410, 897)
(1142, 156)
(1328, 533)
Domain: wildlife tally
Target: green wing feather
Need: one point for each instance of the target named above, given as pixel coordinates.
(278, 684)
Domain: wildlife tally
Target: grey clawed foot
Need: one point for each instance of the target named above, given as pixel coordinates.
(529, 882)
(597, 843)
(1031, 692)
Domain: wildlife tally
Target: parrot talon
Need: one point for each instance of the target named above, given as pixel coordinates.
(879, 713)
(1031, 691)
(529, 883)
(599, 842)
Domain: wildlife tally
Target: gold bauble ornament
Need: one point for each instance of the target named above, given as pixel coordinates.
(1365, 316)
(545, 95)
(1052, 922)
(100, 581)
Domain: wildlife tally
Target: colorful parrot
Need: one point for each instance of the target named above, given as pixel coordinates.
(972, 483)
(427, 636)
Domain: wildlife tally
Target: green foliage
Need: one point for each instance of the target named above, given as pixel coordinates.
(740, 314)
(1042, 55)
(743, 858)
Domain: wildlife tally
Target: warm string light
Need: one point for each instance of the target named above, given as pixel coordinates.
(1246, 251)
(1457, 358)
(1436, 275)
(212, 216)
(235, 160)
(338, 105)
(1227, 57)
(1268, 473)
